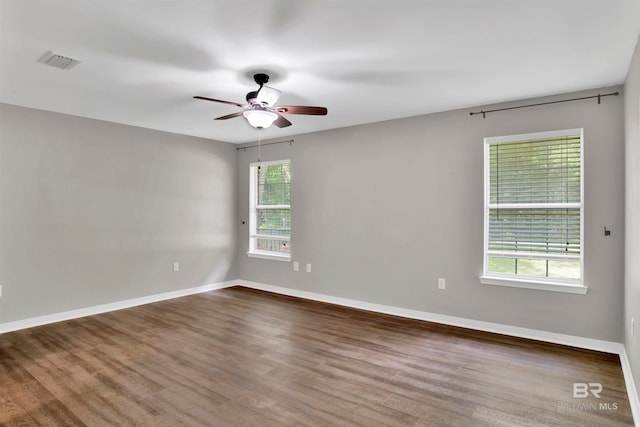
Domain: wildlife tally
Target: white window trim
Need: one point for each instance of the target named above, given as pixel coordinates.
(253, 252)
(269, 255)
(528, 282)
(534, 283)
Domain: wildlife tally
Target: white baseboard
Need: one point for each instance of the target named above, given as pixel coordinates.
(103, 308)
(632, 392)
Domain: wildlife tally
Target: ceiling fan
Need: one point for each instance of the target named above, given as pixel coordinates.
(260, 110)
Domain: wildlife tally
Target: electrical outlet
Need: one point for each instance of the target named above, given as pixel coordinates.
(296, 266)
(308, 268)
(441, 283)
(176, 266)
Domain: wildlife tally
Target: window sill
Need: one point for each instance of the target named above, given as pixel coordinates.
(285, 257)
(529, 284)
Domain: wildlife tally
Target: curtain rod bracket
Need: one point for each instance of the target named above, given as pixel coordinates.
(484, 113)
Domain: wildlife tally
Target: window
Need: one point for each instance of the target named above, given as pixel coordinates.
(270, 210)
(534, 211)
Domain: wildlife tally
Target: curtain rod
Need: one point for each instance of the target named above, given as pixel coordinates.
(262, 145)
(473, 113)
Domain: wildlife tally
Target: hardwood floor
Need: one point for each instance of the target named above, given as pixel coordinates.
(240, 357)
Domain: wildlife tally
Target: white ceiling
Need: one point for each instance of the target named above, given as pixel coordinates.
(365, 60)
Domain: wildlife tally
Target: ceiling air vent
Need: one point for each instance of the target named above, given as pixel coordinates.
(58, 61)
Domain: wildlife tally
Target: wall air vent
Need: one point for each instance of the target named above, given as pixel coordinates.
(58, 61)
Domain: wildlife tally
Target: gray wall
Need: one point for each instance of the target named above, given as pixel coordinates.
(632, 217)
(382, 210)
(94, 212)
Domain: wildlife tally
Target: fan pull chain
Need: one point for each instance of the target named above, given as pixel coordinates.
(566, 188)
(259, 146)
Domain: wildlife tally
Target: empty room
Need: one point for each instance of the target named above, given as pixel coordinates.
(319, 213)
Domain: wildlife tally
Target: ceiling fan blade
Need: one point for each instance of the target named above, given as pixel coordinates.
(230, 116)
(268, 95)
(222, 101)
(302, 109)
(282, 122)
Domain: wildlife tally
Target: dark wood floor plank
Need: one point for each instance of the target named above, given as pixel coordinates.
(241, 357)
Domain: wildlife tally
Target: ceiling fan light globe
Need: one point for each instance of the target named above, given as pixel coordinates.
(260, 119)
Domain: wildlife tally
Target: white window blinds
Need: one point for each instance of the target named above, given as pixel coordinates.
(533, 206)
